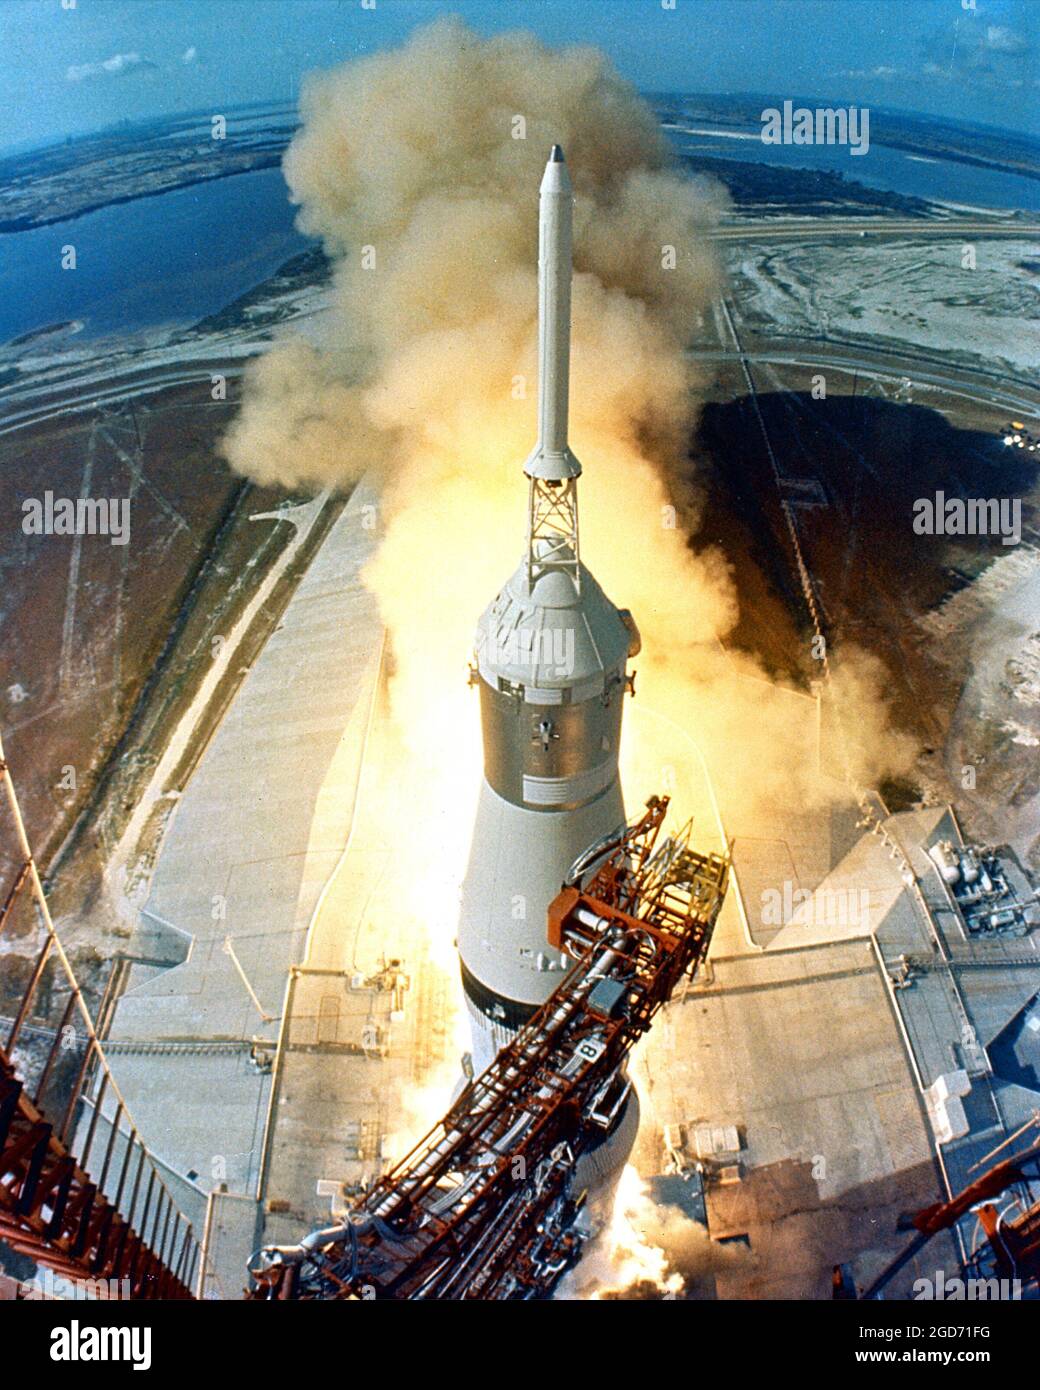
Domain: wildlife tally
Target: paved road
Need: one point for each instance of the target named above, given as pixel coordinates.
(89, 392)
(1017, 400)
(802, 228)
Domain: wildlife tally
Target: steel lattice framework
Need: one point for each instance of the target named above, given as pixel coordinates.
(88, 1207)
(552, 529)
(485, 1206)
(1012, 1236)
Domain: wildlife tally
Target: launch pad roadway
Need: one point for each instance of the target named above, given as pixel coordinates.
(798, 1047)
(791, 1038)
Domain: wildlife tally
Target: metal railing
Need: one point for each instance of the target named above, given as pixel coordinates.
(87, 1205)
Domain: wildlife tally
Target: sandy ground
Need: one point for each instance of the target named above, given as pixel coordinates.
(906, 293)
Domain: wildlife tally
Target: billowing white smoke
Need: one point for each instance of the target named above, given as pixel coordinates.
(648, 1251)
(419, 169)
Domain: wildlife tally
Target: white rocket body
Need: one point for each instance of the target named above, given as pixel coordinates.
(551, 653)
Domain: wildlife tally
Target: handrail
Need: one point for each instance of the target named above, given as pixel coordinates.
(166, 1271)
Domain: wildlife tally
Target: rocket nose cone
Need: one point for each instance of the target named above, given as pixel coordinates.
(556, 178)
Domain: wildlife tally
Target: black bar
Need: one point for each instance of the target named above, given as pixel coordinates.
(96, 1106)
(113, 1131)
(29, 995)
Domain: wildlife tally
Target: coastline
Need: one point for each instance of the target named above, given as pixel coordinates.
(13, 225)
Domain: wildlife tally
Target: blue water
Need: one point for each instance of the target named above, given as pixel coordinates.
(894, 171)
(171, 259)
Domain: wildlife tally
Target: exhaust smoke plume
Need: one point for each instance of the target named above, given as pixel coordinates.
(648, 1252)
(419, 169)
(409, 167)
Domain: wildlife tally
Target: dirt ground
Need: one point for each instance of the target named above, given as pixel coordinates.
(101, 643)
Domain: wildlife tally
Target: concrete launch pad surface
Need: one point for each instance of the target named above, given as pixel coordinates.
(253, 840)
(811, 1066)
(800, 1051)
(368, 1057)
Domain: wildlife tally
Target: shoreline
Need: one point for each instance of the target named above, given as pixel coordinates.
(13, 225)
(270, 159)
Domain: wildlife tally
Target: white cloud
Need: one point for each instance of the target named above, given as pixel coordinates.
(1001, 39)
(116, 66)
(190, 54)
(882, 73)
(991, 57)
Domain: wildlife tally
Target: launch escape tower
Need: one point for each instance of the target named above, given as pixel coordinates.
(550, 663)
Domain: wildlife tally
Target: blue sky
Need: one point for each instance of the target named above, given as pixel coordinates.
(66, 71)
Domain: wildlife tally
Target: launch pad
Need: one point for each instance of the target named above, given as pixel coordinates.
(487, 1205)
(806, 1086)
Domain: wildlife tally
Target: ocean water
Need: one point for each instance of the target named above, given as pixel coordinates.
(174, 258)
(893, 171)
(167, 260)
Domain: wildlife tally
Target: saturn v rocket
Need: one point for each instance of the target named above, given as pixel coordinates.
(550, 662)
